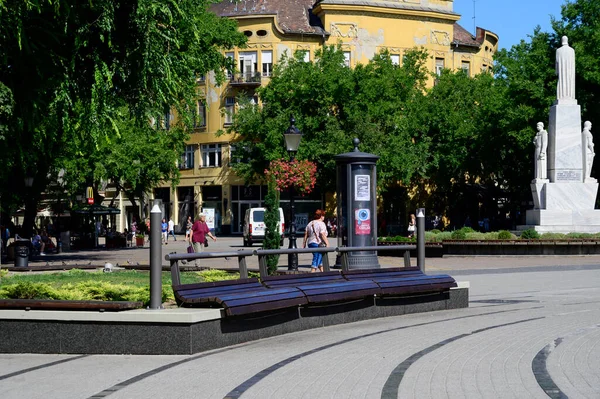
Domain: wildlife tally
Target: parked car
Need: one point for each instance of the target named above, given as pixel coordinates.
(254, 226)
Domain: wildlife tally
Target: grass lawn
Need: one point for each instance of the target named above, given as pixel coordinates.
(119, 285)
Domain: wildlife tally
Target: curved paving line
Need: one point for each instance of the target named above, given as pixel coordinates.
(150, 373)
(540, 371)
(41, 366)
(244, 386)
(391, 386)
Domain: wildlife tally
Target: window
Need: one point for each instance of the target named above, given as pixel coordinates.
(347, 58)
(200, 79)
(395, 59)
(211, 155)
(248, 64)
(466, 67)
(229, 71)
(187, 159)
(439, 66)
(305, 55)
(229, 110)
(267, 63)
(200, 116)
(484, 68)
(167, 119)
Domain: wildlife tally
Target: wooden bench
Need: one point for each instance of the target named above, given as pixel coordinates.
(51, 304)
(238, 297)
(325, 287)
(403, 280)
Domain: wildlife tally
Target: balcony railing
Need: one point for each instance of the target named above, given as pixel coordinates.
(245, 79)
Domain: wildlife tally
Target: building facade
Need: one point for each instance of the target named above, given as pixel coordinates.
(274, 27)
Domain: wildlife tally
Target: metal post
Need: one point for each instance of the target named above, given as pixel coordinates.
(155, 258)
(421, 239)
(292, 258)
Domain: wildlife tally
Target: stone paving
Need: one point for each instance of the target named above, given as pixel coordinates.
(532, 331)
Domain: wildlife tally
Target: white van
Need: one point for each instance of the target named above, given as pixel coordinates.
(254, 226)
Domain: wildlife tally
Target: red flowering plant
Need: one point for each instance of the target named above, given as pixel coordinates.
(301, 174)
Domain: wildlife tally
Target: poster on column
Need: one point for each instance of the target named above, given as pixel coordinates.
(362, 221)
(210, 217)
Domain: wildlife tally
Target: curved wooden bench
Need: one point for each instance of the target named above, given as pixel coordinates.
(238, 297)
(325, 287)
(403, 280)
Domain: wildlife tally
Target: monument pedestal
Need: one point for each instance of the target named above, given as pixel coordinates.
(563, 208)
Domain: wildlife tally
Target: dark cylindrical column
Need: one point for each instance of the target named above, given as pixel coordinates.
(155, 258)
(421, 239)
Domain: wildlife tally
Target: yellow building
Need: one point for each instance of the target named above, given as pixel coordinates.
(274, 27)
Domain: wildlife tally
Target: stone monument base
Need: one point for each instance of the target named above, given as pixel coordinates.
(562, 221)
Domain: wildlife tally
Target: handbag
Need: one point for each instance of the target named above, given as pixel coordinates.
(190, 249)
(205, 242)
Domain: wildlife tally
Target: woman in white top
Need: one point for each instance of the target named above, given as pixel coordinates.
(316, 236)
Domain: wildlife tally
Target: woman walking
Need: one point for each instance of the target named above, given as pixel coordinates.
(315, 236)
(188, 230)
(200, 231)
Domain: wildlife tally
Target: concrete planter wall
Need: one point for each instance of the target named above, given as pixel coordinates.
(507, 247)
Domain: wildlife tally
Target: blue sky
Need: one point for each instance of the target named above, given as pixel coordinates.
(511, 20)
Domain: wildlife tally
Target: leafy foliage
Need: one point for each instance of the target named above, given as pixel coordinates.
(71, 68)
(505, 235)
(296, 173)
(530, 234)
(272, 236)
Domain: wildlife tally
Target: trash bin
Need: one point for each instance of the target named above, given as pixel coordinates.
(22, 253)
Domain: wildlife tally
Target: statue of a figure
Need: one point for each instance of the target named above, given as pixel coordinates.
(541, 144)
(565, 69)
(587, 141)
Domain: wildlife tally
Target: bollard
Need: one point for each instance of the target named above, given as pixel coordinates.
(421, 239)
(155, 258)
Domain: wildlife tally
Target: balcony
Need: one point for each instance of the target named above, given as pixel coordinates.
(245, 79)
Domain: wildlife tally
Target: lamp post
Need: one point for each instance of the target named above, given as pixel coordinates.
(292, 141)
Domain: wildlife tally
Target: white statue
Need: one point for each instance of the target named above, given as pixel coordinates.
(565, 69)
(587, 141)
(541, 144)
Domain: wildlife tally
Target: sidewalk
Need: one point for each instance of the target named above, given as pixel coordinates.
(141, 256)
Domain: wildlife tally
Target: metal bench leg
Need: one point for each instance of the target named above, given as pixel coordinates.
(243, 267)
(262, 265)
(345, 266)
(407, 259)
(175, 277)
(326, 262)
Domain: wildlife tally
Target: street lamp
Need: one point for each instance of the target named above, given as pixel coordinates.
(292, 141)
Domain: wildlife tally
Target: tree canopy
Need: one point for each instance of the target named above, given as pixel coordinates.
(72, 67)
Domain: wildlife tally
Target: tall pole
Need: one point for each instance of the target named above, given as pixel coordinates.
(421, 239)
(155, 258)
(292, 258)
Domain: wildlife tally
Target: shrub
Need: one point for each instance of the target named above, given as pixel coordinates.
(435, 231)
(580, 235)
(459, 235)
(468, 230)
(445, 235)
(530, 234)
(431, 237)
(477, 236)
(217, 275)
(28, 290)
(553, 236)
(505, 235)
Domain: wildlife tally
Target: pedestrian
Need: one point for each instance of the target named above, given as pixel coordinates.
(163, 230)
(188, 230)
(200, 231)
(171, 230)
(315, 236)
(412, 226)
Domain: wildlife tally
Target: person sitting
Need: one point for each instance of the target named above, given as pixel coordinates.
(44, 242)
(36, 241)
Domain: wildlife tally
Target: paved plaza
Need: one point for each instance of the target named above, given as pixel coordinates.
(532, 330)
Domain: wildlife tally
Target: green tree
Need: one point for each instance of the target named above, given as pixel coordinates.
(71, 66)
(272, 236)
(333, 104)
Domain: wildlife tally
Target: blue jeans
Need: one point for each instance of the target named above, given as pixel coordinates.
(317, 256)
